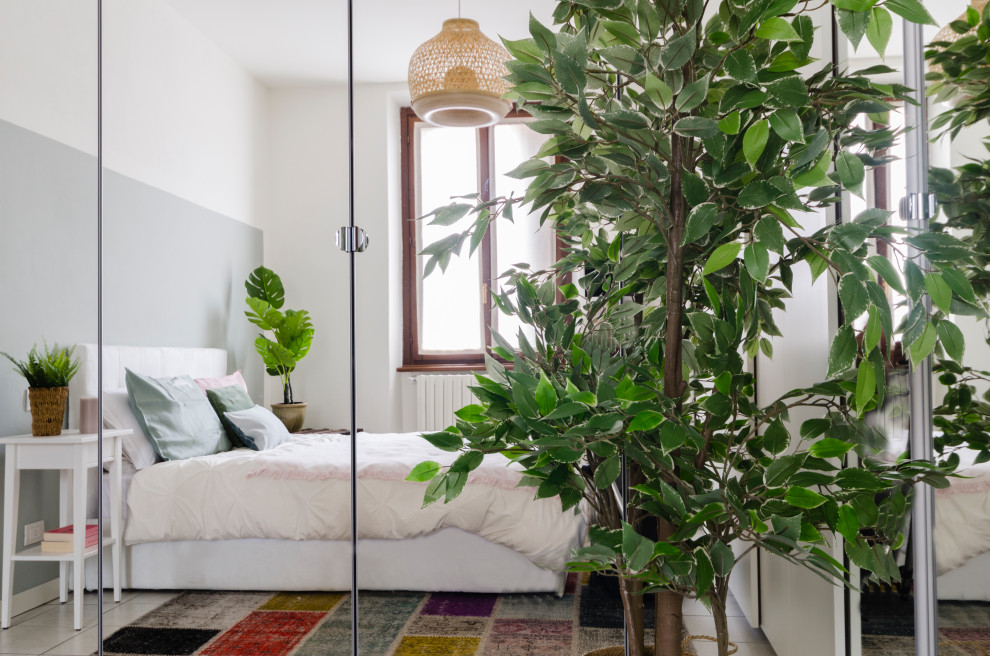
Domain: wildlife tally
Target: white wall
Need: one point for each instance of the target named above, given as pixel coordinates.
(799, 610)
(48, 69)
(309, 203)
(179, 113)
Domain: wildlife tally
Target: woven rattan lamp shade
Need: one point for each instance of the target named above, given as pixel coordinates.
(949, 34)
(455, 78)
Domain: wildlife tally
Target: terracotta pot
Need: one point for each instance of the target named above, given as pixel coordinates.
(293, 415)
(47, 410)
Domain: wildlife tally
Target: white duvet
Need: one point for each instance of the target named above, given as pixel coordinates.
(301, 491)
(962, 516)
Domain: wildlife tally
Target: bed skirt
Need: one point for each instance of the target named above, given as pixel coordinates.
(966, 583)
(449, 560)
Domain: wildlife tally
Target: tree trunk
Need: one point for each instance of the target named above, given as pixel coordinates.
(669, 610)
(669, 624)
(632, 611)
(673, 380)
(721, 619)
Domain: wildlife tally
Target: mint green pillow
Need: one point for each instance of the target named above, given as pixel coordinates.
(229, 399)
(176, 416)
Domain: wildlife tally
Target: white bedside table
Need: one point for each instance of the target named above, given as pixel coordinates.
(72, 454)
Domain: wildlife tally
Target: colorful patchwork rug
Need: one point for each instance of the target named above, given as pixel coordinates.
(586, 617)
(888, 626)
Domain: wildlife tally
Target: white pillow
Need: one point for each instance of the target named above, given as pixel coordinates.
(257, 428)
(117, 413)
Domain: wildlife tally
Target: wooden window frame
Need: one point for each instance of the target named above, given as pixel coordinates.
(412, 358)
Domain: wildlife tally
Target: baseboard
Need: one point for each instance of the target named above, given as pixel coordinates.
(33, 597)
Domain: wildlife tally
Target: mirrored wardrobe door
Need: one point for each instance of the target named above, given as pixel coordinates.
(218, 276)
(48, 287)
(491, 580)
(949, 582)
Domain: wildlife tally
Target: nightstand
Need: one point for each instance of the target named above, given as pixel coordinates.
(72, 454)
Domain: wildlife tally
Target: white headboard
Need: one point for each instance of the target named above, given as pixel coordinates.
(148, 360)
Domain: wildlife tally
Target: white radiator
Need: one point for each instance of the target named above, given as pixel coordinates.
(439, 396)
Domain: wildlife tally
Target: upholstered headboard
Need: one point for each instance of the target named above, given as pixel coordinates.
(148, 360)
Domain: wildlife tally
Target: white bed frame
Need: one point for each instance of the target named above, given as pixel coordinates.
(450, 560)
(971, 582)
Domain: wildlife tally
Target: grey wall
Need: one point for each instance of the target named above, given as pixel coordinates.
(173, 276)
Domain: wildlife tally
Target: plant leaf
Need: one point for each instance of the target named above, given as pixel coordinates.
(264, 284)
(777, 29)
(607, 472)
(757, 260)
(646, 420)
(886, 269)
(803, 498)
(755, 140)
(705, 571)
(879, 29)
(740, 66)
(842, 354)
(952, 340)
(922, 347)
(700, 221)
(731, 123)
(546, 396)
(722, 257)
(939, 291)
(692, 95)
(848, 523)
(678, 50)
(911, 10)
(851, 172)
(787, 124)
(697, 127)
(866, 386)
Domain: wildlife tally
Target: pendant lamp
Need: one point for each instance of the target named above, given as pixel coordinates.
(456, 78)
(949, 34)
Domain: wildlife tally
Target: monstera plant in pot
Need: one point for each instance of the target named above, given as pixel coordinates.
(687, 143)
(293, 335)
(48, 374)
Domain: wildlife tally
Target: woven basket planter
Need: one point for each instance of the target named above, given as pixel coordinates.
(293, 415)
(47, 410)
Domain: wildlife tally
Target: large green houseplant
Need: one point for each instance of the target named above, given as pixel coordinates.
(960, 75)
(293, 336)
(681, 153)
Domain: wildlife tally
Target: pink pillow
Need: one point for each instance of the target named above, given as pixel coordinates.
(211, 383)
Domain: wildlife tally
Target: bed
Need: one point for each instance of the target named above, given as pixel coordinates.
(962, 533)
(279, 519)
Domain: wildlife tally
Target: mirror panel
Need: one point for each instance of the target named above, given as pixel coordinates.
(225, 149)
(48, 263)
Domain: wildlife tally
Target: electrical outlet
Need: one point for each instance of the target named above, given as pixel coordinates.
(33, 533)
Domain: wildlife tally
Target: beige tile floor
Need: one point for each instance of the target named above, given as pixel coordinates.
(48, 629)
(698, 621)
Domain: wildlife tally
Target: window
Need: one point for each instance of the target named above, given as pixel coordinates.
(883, 188)
(448, 317)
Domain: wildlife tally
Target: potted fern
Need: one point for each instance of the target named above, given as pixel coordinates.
(293, 335)
(684, 147)
(48, 374)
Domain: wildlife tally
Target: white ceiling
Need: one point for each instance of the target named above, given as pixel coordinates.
(292, 42)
